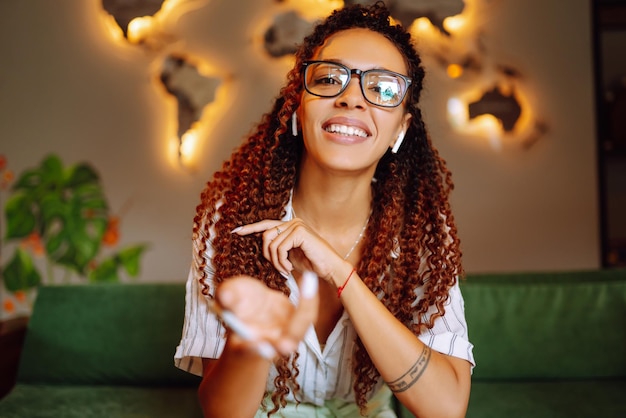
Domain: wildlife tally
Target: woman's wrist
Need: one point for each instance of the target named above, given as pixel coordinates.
(342, 274)
(345, 283)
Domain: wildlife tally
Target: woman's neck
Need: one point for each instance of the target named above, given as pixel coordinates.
(333, 204)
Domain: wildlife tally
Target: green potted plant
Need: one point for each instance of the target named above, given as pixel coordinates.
(61, 214)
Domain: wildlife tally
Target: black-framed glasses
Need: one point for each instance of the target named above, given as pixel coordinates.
(379, 87)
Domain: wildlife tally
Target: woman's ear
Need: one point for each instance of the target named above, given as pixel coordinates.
(406, 122)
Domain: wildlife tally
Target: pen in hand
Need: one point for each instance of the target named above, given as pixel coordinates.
(235, 324)
(308, 290)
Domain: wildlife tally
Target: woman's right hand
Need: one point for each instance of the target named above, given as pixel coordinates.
(273, 324)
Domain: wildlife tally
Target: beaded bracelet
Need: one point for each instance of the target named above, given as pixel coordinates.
(340, 288)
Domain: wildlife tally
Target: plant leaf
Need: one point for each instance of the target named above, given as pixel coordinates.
(81, 174)
(52, 170)
(29, 180)
(105, 272)
(21, 220)
(40, 182)
(20, 273)
(129, 259)
(75, 222)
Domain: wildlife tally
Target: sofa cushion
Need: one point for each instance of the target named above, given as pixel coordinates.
(108, 334)
(54, 401)
(567, 325)
(544, 399)
(548, 399)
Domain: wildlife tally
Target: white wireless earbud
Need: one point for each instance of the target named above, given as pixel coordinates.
(294, 124)
(396, 146)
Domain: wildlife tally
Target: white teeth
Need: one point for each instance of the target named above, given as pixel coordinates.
(346, 130)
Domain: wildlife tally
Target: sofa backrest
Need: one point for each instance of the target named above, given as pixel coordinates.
(105, 334)
(547, 325)
(523, 326)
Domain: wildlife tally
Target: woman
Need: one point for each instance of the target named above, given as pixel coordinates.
(340, 179)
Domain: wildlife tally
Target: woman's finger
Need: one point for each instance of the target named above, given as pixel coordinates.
(255, 227)
(270, 229)
(303, 316)
(278, 249)
(271, 238)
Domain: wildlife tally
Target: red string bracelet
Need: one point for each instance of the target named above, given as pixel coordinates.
(340, 288)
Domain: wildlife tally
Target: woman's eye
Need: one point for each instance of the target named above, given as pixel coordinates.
(385, 90)
(327, 80)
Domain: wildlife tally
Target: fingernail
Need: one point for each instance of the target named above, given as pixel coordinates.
(285, 275)
(309, 285)
(266, 350)
(234, 231)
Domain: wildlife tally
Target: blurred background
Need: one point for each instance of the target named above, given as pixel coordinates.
(522, 99)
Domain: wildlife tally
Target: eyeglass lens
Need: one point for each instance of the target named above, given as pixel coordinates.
(380, 87)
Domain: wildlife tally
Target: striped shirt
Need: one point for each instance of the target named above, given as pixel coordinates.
(325, 373)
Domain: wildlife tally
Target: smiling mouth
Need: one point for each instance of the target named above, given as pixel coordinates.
(346, 130)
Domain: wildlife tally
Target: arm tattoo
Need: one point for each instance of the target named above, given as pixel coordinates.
(413, 374)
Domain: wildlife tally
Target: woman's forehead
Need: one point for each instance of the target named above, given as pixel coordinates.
(362, 48)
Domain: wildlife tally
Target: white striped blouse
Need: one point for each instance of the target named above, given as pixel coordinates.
(325, 373)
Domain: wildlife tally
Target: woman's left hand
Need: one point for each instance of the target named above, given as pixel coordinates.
(293, 245)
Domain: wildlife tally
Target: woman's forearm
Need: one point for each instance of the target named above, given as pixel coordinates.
(427, 382)
(234, 384)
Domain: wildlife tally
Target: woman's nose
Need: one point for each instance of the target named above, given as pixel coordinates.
(352, 96)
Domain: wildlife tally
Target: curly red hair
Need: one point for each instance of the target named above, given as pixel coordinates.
(411, 213)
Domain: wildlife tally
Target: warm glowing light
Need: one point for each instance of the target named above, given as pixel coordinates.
(454, 23)
(455, 71)
(422, 24)
(488, 126)
(314, 9)
(113, 28)
(188, 145)
(169, 5)
(526, 118)
(484, 126)
(458, 113)
(394, 22)
(139, 29)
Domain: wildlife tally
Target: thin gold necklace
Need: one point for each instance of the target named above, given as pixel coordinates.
(358, 239)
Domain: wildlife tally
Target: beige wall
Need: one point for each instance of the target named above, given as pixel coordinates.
(67, 88)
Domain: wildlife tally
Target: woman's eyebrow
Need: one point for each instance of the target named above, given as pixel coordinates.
(340, 61)
(335, 60)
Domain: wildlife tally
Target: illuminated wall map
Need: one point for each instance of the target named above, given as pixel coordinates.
(496, 108)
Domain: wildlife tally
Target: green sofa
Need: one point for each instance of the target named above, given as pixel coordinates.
(546, 344)
(103, 350)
